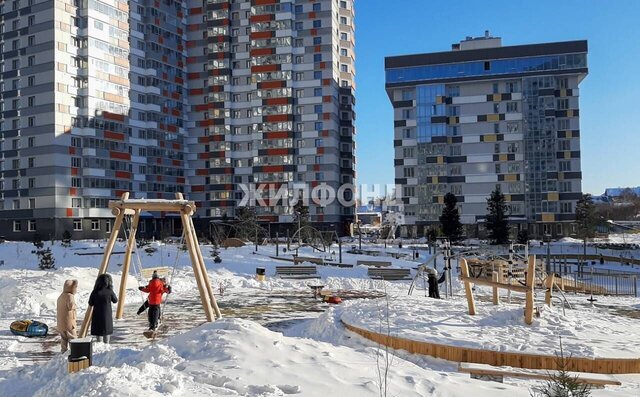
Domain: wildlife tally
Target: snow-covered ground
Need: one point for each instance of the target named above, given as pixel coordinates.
(240, 356)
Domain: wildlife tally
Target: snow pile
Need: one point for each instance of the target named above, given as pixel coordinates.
(236, 357)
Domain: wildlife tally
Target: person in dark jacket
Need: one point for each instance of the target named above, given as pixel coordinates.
(101, 299)
(433, 282)
(155, 289)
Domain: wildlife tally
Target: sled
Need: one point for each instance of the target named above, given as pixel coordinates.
(29, 328)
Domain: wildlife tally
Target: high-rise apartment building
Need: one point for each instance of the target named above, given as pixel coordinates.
(158, 96)
(484, 116)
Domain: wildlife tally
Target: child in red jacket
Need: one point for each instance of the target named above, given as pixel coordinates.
(155, 289)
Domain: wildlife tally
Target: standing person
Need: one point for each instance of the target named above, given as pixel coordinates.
(433, 281)
(66, 313)
(155, 289)
(101, 299)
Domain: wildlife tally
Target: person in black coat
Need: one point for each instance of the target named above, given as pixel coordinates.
(101, 299)
(433, 281)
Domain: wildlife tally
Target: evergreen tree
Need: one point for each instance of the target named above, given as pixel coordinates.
(523, 237)
(497, 223)
(450, 218)
(247, 227)
(562, 384)
(586, 219)
(301, 220)
(47, 261)
(66, 239)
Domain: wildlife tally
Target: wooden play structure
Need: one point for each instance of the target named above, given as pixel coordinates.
(132, 208)
(495, 277)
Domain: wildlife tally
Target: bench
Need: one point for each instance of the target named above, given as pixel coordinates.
(310, 259)
(301, 272)
(389, 274)
(374, 263)
(496, 374)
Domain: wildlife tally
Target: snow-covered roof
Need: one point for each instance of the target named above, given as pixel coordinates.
(618, 191)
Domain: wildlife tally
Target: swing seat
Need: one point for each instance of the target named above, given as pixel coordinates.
(146, 273)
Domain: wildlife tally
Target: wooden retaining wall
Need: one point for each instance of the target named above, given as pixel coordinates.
(512, 359)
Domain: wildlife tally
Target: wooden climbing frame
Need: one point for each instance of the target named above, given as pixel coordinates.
(497, 283)
(133, 207)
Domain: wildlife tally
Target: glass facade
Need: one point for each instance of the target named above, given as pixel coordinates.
(486, 68)
(427, 107)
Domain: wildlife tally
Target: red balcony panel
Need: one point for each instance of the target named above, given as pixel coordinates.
(74, 171)
(123, 174)
(277, 135)
(72, 150)
(326, 98)
(277, 101)
(194, 27)
(172, 128)
(262, 51)
(326, 81)
(273, 168)
(326, 116)
(176, 146)
(179, 80)
(176, 163)
(193, 76)
(113, 116)
(265, 68)
(262, 35)
(197, 188)
(202, 171)
(180, 179)
(320, 150)
(275, 118)
(267, 85)
(119, 155)
(278, 152)
(73, 191)
(262, 18)
(196, 91)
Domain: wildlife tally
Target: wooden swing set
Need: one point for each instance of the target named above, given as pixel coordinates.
(132, 208)
(497, 282)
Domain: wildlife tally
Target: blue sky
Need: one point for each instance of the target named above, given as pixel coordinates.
(609, 96)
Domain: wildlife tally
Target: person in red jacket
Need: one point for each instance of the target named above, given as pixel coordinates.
(155, 289)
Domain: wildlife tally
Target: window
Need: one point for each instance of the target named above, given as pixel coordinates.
(512, 107)
(31, 40)
(453, 91)
(31, 81)
(487, 65)
(32, 183)
(17, 226)
(16, 204)
(496, 107)
(407, 114)
(76, 182)
(564, 144)
(317, 23)
(497, 168)
(31, 225)
(455, 170)
(496, 128)
(76, 202)
(513, 127)
(564, 166)
(495, 88)
(77, 225)
(454, 110)
(32, 203)
(108, 226)
(565, 186)
(316, 6)
(563, 124)
(456, 150)
(95, 224)
(344, 36)
(566, 207)
(406, 133)
(513, 86)
(563, 104)
(513, 147)
(408, 172)
(563, 83)
(32, 162)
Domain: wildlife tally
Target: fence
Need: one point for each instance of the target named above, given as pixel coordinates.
(600, 283)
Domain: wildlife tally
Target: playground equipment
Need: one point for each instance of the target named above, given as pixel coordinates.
(126, 207)
(496, 281)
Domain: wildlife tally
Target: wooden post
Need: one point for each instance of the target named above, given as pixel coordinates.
(549, 284)
(125, 266)
(195, 264)
(105, 262)
(531, 273)
(203, 269)
(464, 268)
(496, 293)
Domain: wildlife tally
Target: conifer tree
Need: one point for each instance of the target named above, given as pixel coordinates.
(450, 218)
(497, 223)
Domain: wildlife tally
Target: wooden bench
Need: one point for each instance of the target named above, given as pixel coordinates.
(496, 374)
(389, 274)
(373, 263)
(301, 272)
(310, 259)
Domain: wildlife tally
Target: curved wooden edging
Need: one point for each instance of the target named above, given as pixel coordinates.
(511, 359)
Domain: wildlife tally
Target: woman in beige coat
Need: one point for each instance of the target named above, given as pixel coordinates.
(66, 308)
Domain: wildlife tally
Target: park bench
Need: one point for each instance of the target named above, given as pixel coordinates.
(301, 272)
(389, 274)
(310, 259)
(374, 263)
(497, 374)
